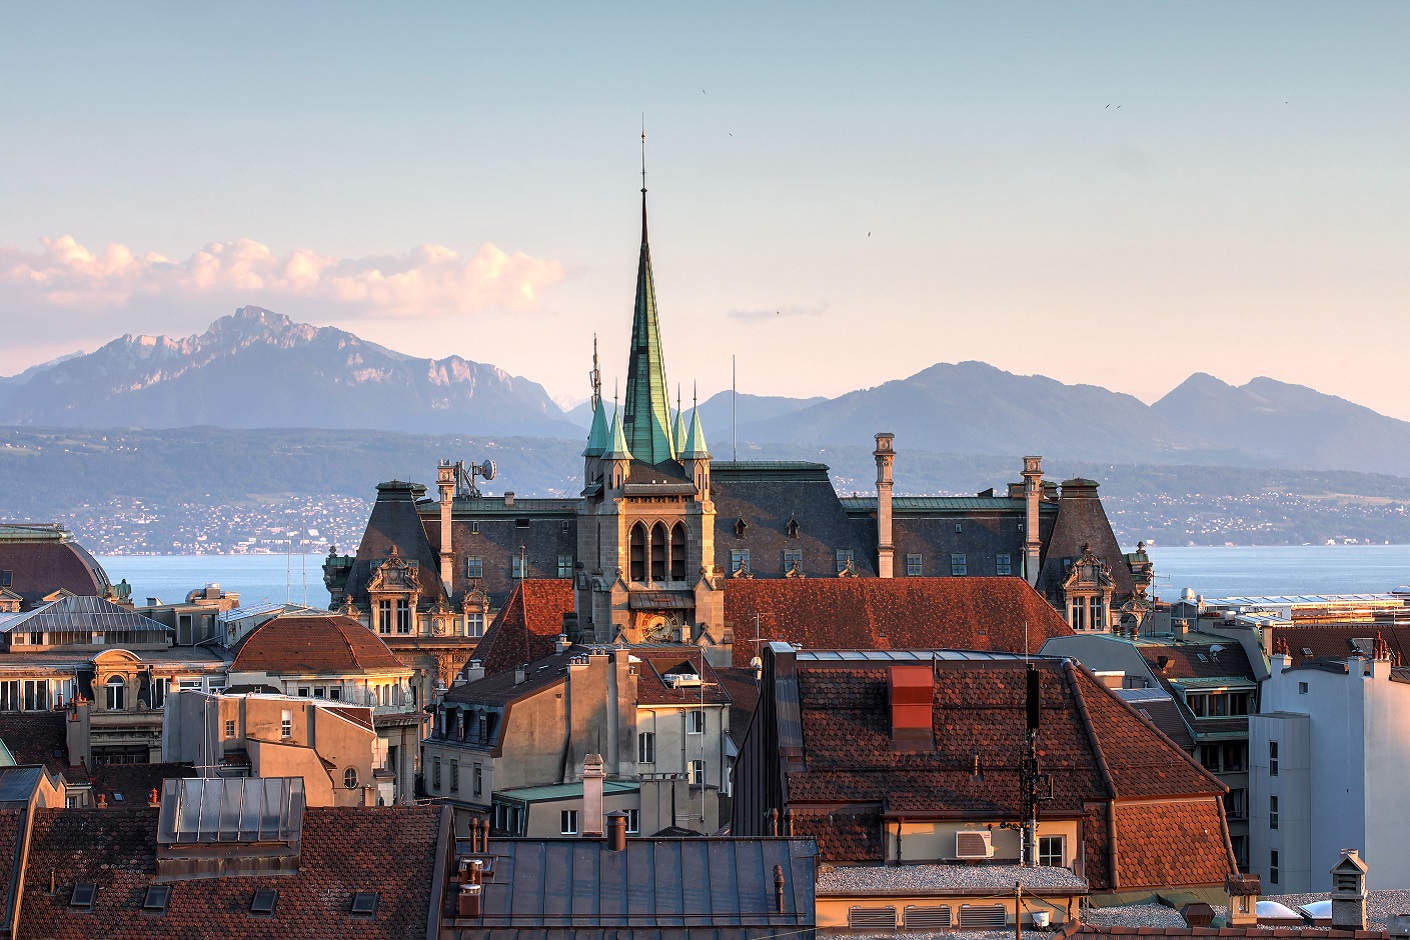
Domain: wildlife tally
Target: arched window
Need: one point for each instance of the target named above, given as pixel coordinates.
(117, 694)
(638, 552)
(350, 778)
(658, 552)
(678, 552)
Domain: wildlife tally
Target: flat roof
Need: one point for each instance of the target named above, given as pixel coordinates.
(1310, 600)
(906, 880)
(912, 656)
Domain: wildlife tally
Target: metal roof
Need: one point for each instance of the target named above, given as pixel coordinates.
(911, 656)
(225, 810)
(944, 504)
(1310, 600)
(736, 465)
(250, 610)
(17, 785)
(563, 791)
(1142, 695)
(81, 614)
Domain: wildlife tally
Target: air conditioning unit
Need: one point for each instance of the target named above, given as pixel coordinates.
(974, 845)
(681, 680)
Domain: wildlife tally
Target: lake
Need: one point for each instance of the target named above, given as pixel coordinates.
(1214, 571)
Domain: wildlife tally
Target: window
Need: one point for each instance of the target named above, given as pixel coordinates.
(436, 774)
(158, 692)
(474, 567)
(1273, 867)
(1234, 756)
(958, 565)
(1098, 619)
(117, 694)
(403, 615)
(565, 566)
(913, 565)
(658, 552)
(475, 624)
(646, 747)
(633, 821)
(695, 722)
(678, 552)
(350, 778)
(230, 727)
(264, 902)
(36, 695)
(364, 904)
(1236, 803)
(1003, 563)
(638, 552)
(455, 776)
(696, 773)
(475, 528)
(792, 558)
(959, 528)
(1272, 758)
(738, 560)
(83, 894)
(1050, 851)
(568, 822)
(565, 526)
(335, 693)
(156, 899)
(7, 578)
(1273, 812)
(10, 695)
(479, 779)
(1302, 688)
(517, 564)
(303, 691)
(1209, 757)
(844, 559)
(286, 723)
(36, 638)
(384, 616)
(740, 527)
(521, 523)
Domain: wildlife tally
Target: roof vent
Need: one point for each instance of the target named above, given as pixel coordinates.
(974, 845)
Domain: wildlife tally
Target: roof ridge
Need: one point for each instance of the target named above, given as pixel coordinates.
(337, 626)
(1168, 740)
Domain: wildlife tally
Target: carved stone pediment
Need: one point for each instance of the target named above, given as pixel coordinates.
(475, 602)
(394, 576)
(1088, 573)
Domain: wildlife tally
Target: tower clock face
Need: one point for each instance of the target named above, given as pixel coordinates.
(661, 629)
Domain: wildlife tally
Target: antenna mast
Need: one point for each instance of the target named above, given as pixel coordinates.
(733, 408)
(595, 378)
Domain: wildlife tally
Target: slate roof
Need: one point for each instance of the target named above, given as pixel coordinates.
(39, 738)
(395, 521)
(389, 850)
(1333, 640)
(527, 627)
(1187, 661)
(1164, 713)
(500, 688)
(580, 887)
(890, 613)
(39, 568)
(1081, 520)
(298, 643)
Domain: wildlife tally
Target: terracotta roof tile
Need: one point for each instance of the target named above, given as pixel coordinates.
(651, 687)
(1198, 662)
(1172, 842)
(890, 613)
(388, 850)
(526, 628)
(324, 643)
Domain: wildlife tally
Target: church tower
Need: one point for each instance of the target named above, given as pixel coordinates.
(646, 523)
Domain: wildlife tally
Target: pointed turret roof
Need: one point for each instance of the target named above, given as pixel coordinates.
(646, 420)
(694, 448)
(678, 436)
(617, 448)
(597, 437)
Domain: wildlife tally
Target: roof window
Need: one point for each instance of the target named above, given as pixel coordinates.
(84, 893)
(364, 904)
(157, 899)
(264, 902)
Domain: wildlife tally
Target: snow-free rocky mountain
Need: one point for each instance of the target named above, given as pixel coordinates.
(256, 368)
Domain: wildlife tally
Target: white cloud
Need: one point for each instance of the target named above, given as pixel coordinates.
(778, 313)
(429, 281)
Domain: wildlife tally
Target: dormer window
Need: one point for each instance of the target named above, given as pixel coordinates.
(792, 527)
(739, 527)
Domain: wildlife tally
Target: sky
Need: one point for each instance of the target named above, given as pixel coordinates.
(840, 195)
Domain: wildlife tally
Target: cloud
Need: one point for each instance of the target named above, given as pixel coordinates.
(778, 313)
(429, 281)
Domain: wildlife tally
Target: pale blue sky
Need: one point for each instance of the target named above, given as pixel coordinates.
(1112, 193)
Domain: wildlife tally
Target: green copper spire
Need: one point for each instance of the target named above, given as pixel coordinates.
(597, 436)
(647, 410)
(617, 449)
(678, 435)
(694, 447)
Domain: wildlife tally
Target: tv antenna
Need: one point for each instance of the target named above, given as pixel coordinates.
(466, 474)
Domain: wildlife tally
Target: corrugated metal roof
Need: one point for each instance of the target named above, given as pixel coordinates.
(563, 791)
(910, 656)
(1142, 695)
(82, 613)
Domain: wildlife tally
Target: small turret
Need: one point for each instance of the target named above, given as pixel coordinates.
(616, 453)
(695, 456)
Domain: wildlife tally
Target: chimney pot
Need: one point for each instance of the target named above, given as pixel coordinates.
(778, 888)
(616, 831)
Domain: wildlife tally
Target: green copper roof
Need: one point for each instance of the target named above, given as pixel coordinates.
(617, 448)
(597, 436)
(695, 448)
(679, 435)
(647, 411)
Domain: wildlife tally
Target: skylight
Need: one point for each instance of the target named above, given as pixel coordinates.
(264, 902)
(157, 899)
(364, 904)
(84, 894)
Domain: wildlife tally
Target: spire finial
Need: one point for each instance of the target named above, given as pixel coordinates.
(695, 394)
(595, 377)
(643, 179)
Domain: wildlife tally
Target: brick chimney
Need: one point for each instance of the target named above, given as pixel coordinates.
(593, 806)
(885, 455)
(912, 691)
(1032, 536)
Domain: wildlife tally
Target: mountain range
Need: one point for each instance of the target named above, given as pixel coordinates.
(256, 368)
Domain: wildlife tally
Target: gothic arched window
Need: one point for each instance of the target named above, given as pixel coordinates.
(658, 552)
(638, 552)
(678, 552)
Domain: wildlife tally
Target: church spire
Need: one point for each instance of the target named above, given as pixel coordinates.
(646, 420)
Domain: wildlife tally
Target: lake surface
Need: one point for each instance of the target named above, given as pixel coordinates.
(1214, 571)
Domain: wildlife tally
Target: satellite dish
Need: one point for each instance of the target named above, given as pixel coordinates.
(487, 470)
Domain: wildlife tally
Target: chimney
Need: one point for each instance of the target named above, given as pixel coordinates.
(475, 671)
(153, 799)
(1032, 536)
(592, 796)
(562, 645)
(521, 675)
(509, 498)
(1349, 892)
(1243, 891)
(912, 699)
(1181, 629)
(468, 901)
(617, 831)
(885, 455)
(445, 480)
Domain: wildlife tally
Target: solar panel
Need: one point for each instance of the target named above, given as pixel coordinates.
(264, 901)
(364, 904)
(158, 897)
(83, 894)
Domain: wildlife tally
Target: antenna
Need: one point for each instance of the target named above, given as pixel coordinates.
(595, 377)
(733, 408)
(643, 152)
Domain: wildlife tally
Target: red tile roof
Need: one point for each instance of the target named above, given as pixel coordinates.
(1333, 640)
(651, 688)
(890, 613)
(526, 628)
(1180, 842)
(304, 644)
(389, 850)
(1188, 661)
